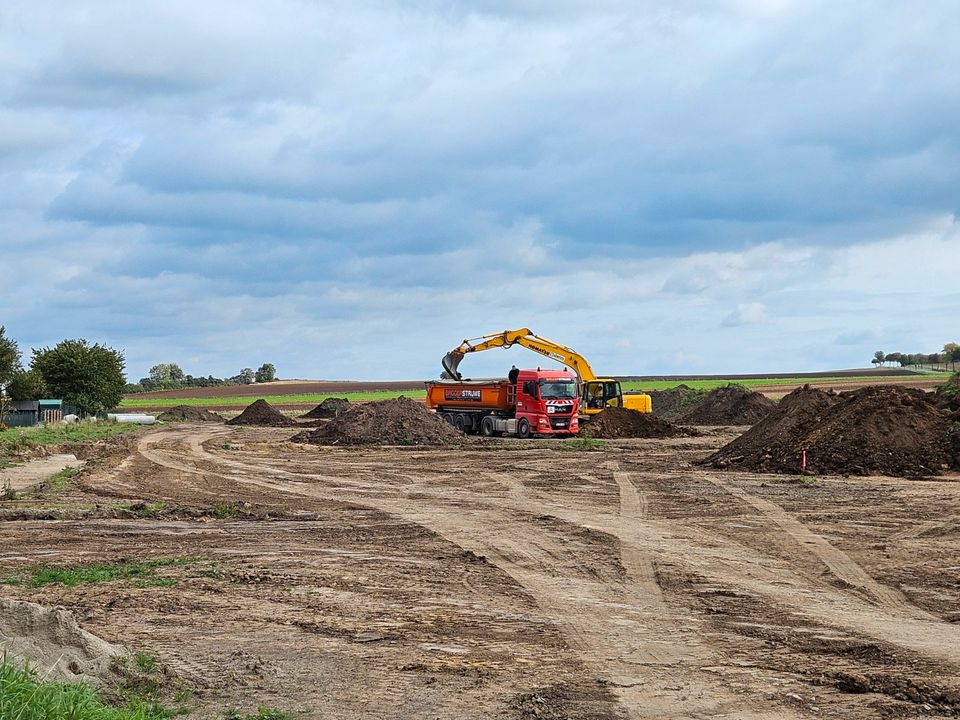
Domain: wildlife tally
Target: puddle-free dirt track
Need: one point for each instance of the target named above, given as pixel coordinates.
(515, 579)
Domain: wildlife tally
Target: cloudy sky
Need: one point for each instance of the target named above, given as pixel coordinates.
(348, 189)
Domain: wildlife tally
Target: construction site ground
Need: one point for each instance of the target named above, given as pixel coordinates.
(508, 579)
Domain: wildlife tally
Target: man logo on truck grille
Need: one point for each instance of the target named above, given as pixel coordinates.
(462, 395)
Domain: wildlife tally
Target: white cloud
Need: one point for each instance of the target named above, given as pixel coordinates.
(746, 314)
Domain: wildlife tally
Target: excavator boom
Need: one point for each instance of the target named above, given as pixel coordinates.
(572, 359)
(597, 393)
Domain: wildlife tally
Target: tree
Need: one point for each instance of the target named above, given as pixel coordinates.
(878, 358)
(9, 358)
(27, 385)
(89, 377)
(894, 357)
(955, 357)
(266, 373)
(166, 374)
(247, 376)
(933, 359)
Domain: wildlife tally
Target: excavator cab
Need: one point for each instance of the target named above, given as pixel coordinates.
(599, 394)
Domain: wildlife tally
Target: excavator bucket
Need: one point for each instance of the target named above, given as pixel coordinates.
(450, 363)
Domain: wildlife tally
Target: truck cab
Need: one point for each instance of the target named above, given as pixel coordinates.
(547, 403)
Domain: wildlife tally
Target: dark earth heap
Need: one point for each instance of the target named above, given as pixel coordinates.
(262, 413)
(329, 408)
(617, 422)
(188, 413)
(400, 421)
(728, 405)
(877, 430)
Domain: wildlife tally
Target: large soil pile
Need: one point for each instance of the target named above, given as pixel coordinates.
(52, 642)
(401, 421)
(884, 430)
(188, 413)
(329, 408)
(617, 422)
(672, 403)
(728, 405)
(262, 413)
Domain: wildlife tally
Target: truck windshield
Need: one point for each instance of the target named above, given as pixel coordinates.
(557, 389)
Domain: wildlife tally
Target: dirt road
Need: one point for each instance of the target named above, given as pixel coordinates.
(515, 580)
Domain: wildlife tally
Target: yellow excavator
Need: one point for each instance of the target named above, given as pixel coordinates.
(595, 393)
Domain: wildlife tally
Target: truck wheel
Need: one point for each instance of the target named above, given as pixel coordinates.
(523, 428)
(448, 418)
(487, 427)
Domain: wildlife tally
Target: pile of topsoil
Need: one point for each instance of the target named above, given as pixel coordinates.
(882, 430)
(729, 405)
(329, 408)
(188, 413)
(672, 403)
(615, 422)
(262, 413)
(401, 421)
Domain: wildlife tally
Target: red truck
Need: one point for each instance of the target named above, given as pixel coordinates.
(540, 402)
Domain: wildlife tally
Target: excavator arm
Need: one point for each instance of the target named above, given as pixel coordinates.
(597, 393)
(523, 337)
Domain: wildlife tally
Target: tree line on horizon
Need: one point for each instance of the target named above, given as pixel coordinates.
(170, 376)
(943, 360)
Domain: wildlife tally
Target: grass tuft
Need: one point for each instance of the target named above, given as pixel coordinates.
(582, 443)
(225, 511)
(261, 714)
(72, 576)
(25, 696)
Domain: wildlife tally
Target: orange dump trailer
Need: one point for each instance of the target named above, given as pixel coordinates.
(540, 402)
(471, 395)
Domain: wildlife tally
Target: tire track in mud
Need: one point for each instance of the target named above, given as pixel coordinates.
(840, 564)
(607, 623)
(623, 632)
(725, 563)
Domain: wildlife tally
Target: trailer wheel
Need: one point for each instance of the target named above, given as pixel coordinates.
(523, 428)
(487, 427)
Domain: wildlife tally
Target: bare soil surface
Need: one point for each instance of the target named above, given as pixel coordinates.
(512, 579)
(36, 470)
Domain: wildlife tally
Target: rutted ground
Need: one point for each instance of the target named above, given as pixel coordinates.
(516, 579)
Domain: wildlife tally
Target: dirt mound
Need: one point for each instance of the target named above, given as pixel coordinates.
(728, 405)
(672, 403)
(262, 413)
(189, 413)
(329, 408)
(51, 641)
(401, 421)
(617, 422)
(884, 430)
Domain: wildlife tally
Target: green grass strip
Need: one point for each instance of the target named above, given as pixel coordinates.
(71, 576)
(24, 696)
(18, 440)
